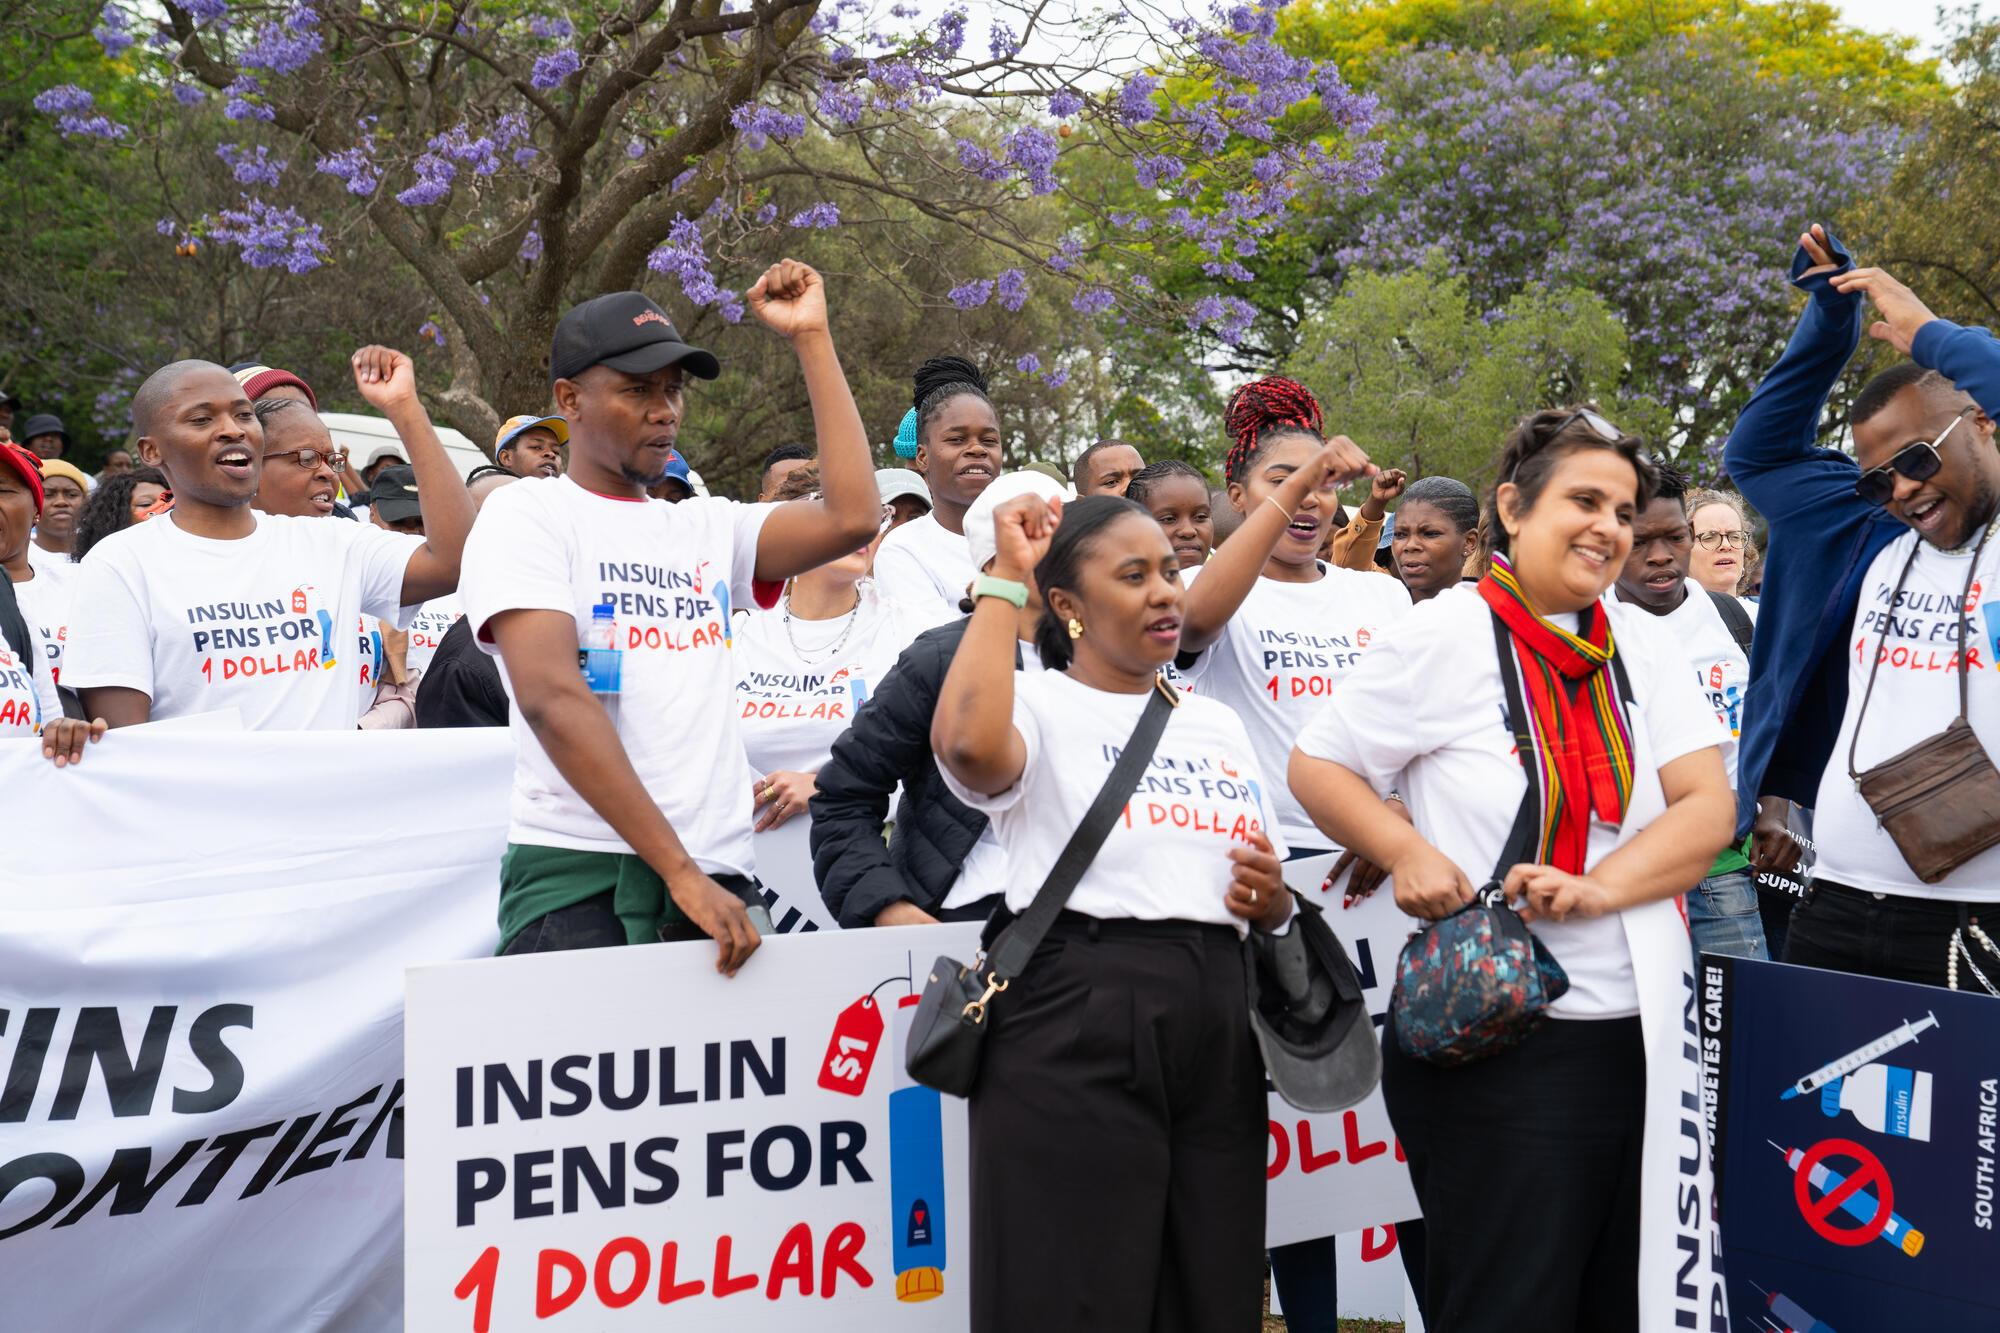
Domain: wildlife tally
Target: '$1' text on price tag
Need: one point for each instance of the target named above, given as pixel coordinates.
(850, 1053)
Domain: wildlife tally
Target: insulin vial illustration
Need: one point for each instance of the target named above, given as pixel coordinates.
(916, 1174)
(1887, 1098)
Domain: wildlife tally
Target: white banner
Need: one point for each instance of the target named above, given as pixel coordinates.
(1344, 1171)
(626, 1138)
(202, 946)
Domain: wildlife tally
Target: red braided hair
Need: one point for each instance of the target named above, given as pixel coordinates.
(1261, 409)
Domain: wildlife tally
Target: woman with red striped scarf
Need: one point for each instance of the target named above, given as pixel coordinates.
(1564, 1179)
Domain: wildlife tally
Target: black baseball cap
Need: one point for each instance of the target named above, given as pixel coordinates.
(394, 494)
(628, 332)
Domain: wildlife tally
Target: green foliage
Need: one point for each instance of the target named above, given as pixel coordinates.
(1408, 368)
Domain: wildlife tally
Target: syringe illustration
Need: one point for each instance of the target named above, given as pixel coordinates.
(916, 1174)
(1786, 1314)
(1859, 1204)
(1874, 1050)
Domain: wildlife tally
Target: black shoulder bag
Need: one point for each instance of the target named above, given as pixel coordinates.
(948, 1030)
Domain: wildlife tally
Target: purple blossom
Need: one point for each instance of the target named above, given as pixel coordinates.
(256, 167)
(270, 237)
(284, 47)
(767, 215)
(758, 124)
(205, 11)
(525, 155)
(240, 106)
(550, 70)
(684, 257)
(430, 332)
(819, 215)
(434, 178)
(950, 33)
(188, 95)
(1001, 42)
(1135, 100)
(1013, 285)
(548, 28)
(971, 295)
(353, 166)
(111, 31)
(636, 149)
(63, 99)
(531, 244)
(1028, 364)
(980, 162)
(731, 308)
(1093, 301)
(1152, 170)
(1064, 103)
(166, 226)
(1033, 150)
(1056, 378)
(841, 105)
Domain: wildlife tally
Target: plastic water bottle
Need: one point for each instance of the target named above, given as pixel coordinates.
(603, 661)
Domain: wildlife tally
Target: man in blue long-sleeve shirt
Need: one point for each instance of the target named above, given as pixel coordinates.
(1913, 508)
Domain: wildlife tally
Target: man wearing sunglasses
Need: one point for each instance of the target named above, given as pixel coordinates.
(1879, 571)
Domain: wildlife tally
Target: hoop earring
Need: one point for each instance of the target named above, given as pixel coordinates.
(1075, 628)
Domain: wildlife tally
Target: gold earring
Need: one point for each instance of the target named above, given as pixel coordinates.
(1075, 628)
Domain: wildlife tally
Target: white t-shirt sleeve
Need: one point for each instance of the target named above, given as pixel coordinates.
(110, 633)
(515, 560)
(385, 561)
(1374, 723)
(747, 527)
(1680, 719)
(1028, 724)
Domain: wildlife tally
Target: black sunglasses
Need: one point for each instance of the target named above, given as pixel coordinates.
(1918, 460)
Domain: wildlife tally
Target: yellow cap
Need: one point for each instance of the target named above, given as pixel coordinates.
(920, 1284)
(513, 426)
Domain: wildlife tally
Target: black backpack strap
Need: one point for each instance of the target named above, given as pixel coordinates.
(1733, 615)
(1018, 942)
(14, 626)
(1525, 836)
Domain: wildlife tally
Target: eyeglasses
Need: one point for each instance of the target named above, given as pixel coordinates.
(1715, 541)
(312, 458)
(1604, 429)
(1919, 461)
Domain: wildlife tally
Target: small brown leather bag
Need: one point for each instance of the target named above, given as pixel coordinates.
(1939, 800)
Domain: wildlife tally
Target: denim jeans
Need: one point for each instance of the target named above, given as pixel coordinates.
(1723, 916)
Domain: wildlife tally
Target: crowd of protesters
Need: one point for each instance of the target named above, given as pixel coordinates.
(935, 664)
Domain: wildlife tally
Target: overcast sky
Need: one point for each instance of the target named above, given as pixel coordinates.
(1910, 18)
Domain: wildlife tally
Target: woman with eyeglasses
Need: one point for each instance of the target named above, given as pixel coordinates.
(805, 667)
(1724, 554)
(1564, 1185)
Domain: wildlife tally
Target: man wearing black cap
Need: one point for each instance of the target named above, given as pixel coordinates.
(44, 435)
(629, 822)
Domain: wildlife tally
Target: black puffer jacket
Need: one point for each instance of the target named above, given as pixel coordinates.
(889, 742)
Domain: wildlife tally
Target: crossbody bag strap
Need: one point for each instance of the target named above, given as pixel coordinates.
(1018, 942)
(1881, 641)
(1525, 836)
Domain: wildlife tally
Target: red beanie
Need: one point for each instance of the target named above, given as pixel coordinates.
(260, 380)
(14, 457)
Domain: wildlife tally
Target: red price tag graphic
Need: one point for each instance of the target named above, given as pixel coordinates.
(850, 1052)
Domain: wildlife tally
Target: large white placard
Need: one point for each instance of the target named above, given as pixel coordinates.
(202, 946)
(625, 1138)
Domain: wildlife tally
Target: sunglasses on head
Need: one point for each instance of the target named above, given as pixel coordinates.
(1919, 461)
(1602, 428)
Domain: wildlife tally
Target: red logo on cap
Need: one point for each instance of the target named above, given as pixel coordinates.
(653, 315)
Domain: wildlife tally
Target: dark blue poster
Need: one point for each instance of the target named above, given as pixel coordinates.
(1855, 1125)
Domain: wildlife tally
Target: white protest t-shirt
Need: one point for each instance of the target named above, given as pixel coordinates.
(796, 692)
(52, 565)
(44, 601)
(1916, 697)
(1721, 669)
(926, 568)
(27, 698)
(1167, 858)
(1279, 657)
(427, 630)
(671, 573)
(1425, 714)
(265, 625)
(368, 658)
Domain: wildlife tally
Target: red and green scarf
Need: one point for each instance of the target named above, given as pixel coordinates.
(1577, 723)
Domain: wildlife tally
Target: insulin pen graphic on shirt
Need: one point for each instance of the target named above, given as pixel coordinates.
(1889, 1099)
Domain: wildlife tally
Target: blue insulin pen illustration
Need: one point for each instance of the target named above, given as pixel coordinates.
(1787, 1315)
(916, 1174)
(1861, 1205)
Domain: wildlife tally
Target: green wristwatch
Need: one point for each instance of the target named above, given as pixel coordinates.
(1005, 589)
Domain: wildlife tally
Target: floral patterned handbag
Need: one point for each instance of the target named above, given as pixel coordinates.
(1478, 981)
